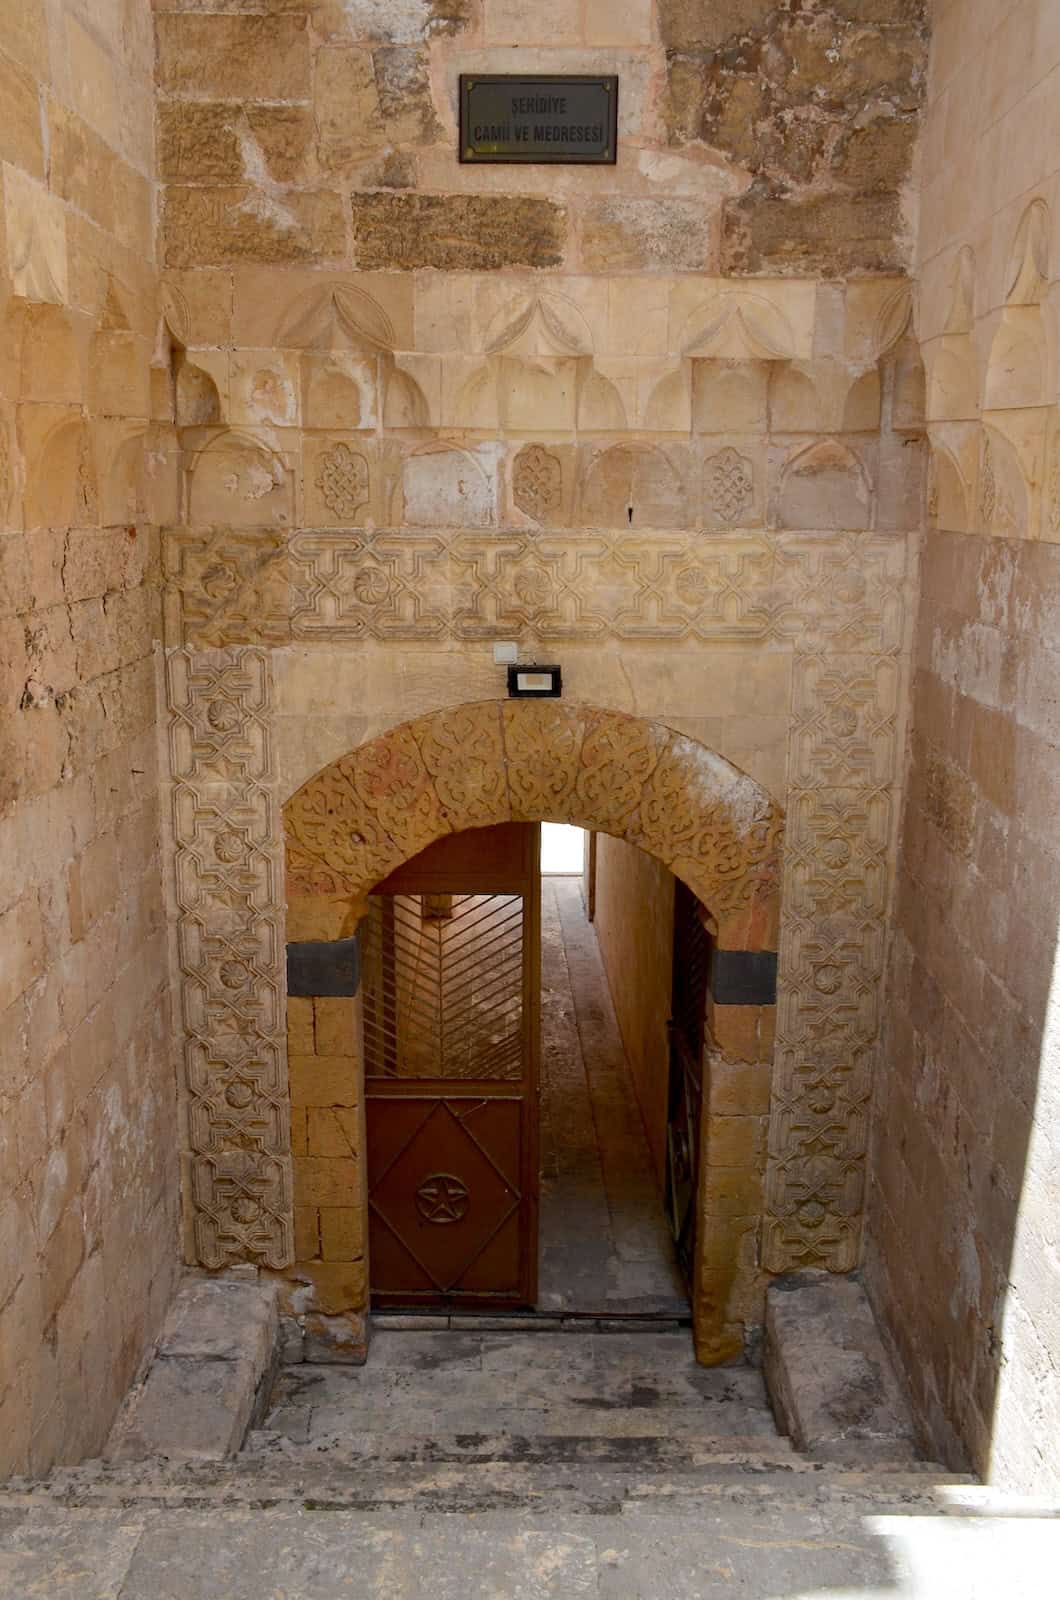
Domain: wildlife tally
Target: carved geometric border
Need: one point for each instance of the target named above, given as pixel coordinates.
(230, 952)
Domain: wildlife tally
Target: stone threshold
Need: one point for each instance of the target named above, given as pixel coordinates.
(530, 1322)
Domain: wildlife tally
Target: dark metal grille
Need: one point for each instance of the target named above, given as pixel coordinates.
(443, 986)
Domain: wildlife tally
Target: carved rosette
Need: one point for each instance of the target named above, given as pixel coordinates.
(230, 954)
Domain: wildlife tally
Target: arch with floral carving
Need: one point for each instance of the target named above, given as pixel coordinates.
(473, 766)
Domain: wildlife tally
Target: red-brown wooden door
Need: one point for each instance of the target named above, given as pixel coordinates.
(451, 1028)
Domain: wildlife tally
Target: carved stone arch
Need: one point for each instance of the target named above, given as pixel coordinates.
(539, 324)
(633, 485)
(1004, 501)
(335, 316)
(446, 485)
(503, 761)
(238, 481)
(351, 824)
(113, 317)
(1027, 278)
(893, 321)
(906, 383)
(61, 483)
(730, 396)
(961, 315)
(1017, 367)
(949, 492)
(739, 325)
(825, 486)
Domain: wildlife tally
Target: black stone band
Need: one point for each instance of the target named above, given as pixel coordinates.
(325, 970)
(744, 977)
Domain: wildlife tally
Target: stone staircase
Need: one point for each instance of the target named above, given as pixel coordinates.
(483, 1464)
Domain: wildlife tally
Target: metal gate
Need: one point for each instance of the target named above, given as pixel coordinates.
(687, 1031)
(450, 984)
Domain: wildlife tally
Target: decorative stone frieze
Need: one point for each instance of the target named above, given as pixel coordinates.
(230, 954)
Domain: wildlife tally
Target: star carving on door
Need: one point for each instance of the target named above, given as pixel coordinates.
(442, 1198)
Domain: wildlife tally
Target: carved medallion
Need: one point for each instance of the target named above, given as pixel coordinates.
(442, 1198)
(342, 479)
(730, 485)
(537, 482)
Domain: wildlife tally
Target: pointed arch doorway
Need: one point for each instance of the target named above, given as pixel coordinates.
(362, 818)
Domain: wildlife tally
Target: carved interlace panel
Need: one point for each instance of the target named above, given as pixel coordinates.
(537, 482)
(345, 586)
(342, 478)
(729, 486)
(230, 949)
(843, 749)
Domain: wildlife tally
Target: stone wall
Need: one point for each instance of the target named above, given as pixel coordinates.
(634, 924)
(88, 1163)
(965, 1204)
(755, 135)
(423, 407)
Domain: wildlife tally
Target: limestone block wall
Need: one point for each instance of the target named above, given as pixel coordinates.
(965, 1210)
(634, 924)
(423, 406)
(88, 1169)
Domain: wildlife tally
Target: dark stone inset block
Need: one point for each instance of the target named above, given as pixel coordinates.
(744, 978)
(326, 969)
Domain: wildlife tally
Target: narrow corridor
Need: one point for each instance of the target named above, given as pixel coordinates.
(605, 1244)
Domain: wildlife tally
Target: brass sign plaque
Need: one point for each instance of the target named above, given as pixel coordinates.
(538, 118)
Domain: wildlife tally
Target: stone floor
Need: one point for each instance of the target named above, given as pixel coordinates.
(529, 1466)
(605, 1244)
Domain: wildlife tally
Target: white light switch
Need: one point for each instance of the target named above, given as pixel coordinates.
(506, 653)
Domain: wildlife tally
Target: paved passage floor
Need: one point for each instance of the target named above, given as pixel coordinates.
(517, 1466)
(604, 1242)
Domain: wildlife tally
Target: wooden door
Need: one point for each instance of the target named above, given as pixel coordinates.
(452, 1037)
(687, 1037)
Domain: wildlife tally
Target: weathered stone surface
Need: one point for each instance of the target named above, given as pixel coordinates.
(203, 140)
(349, 121)
(216, 226)
(648, 235)
(837, 233)
(233, 57)
(403, 79)
(456, 233)
(706, 24)
(820, 107)
(217, 1319)
(210, 1372)
(832, 1386)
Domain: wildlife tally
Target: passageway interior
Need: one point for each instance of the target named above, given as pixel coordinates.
(605, 1244)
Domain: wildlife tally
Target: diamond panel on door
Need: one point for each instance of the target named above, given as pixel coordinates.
(450, 991)
(449, 1191)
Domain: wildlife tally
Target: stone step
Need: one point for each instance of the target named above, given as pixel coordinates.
(714, 1547)
(578, 1486)
(650, 1451)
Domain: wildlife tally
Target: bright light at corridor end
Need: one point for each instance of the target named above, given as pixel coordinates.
(562, 849)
